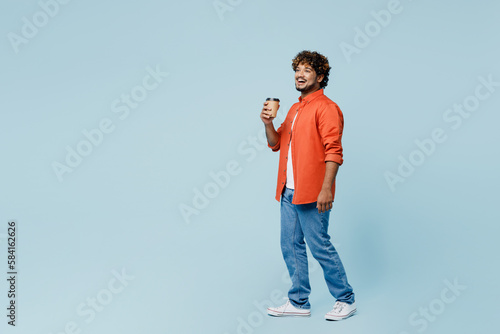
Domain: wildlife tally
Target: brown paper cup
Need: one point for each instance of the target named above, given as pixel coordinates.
(274, 103)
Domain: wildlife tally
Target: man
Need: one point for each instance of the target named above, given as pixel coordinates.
(310, 147)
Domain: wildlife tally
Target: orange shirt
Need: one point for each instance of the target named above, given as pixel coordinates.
(317, 138)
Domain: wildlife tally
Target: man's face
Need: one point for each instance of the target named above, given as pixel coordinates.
(306, 79)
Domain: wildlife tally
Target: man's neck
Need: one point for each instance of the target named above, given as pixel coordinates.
(309, 92)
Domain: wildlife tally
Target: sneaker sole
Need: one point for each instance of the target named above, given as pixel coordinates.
(288, 314)
(335, 318)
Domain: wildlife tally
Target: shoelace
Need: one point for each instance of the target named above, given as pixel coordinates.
(282, 307)
(338, 307)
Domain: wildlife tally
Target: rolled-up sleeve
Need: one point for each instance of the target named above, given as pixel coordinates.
(330, 127)
(276, 147)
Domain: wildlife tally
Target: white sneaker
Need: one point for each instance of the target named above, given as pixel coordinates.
(341, 311)
(288, 310)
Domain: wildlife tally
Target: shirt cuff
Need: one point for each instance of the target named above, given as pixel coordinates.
(275, 147)
(335, 158)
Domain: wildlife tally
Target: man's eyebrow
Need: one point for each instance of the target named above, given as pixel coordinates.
(307, 67)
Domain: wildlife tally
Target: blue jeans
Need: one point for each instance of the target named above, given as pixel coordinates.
(299, 222)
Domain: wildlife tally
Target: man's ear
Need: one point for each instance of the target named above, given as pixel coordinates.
(320, 78)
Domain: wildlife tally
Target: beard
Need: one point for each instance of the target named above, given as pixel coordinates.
(304, 88)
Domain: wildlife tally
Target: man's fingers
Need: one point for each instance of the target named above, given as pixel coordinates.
(324, 206)
(321, 207)
(267, 115)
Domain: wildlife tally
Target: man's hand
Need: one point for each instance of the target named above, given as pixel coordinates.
(325, 200)
(265, 115)
(325, 197)
(271, 134)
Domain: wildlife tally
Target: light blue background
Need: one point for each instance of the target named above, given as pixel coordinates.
(119, 209)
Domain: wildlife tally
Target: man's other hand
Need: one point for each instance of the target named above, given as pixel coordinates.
(325, 200)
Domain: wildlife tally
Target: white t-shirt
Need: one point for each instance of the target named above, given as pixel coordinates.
(289, 166)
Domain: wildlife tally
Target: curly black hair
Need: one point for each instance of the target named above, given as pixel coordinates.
(317, 61)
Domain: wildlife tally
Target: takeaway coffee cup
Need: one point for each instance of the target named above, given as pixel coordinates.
(274, 103)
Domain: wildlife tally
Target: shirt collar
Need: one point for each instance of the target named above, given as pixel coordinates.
(312, 96)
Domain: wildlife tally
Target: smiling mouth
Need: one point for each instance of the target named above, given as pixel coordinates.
(300, 81)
